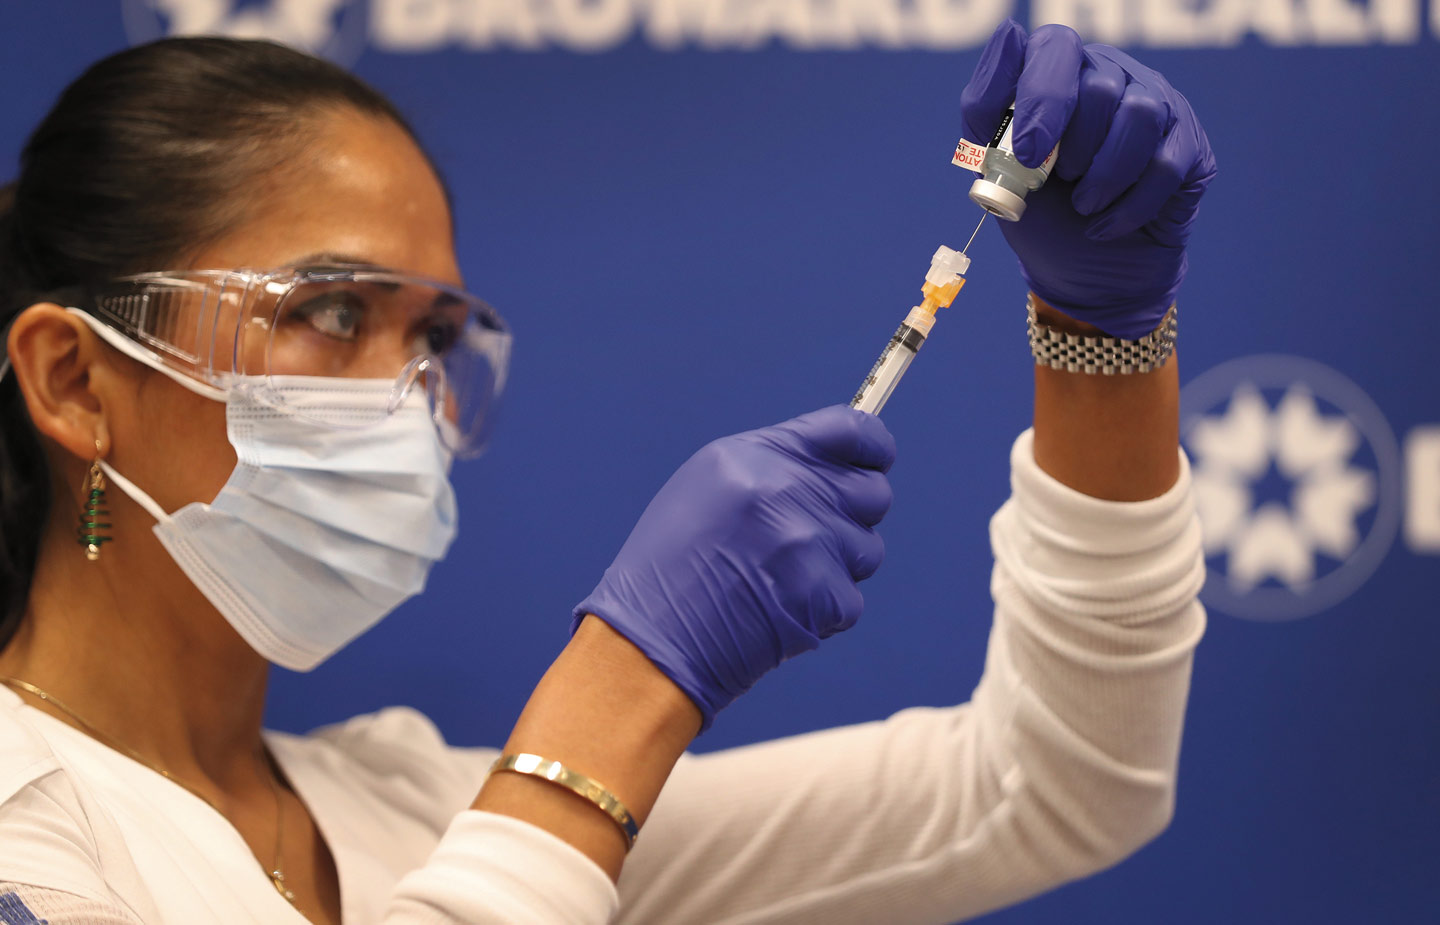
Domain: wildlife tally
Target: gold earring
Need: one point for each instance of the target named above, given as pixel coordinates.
(91, 519)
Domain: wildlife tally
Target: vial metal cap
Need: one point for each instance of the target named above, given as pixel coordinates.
(995, 199)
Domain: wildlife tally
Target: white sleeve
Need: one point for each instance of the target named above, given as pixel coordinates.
(491, 869)
(52, 863)
(1063, 763)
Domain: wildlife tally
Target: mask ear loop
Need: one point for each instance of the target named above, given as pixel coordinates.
(133, 492)
(148, 357)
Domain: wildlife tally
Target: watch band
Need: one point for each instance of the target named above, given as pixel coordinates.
(1080, 353)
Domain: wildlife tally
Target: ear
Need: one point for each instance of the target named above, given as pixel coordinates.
(64, 373)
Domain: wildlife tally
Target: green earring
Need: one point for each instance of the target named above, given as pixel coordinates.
(91, 519)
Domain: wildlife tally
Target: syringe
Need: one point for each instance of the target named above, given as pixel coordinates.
(942, 285)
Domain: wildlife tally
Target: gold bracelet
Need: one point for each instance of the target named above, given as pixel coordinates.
(590, 789)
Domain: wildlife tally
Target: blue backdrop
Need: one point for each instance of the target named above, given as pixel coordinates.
(707, 215)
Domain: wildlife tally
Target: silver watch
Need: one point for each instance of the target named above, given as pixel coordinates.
(1078, 353)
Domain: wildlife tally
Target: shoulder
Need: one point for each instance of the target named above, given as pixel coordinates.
(394, 736)
(397, 755)
(46, 833)
(25, 755)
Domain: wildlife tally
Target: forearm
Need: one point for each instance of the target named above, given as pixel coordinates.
(603, 710)
(1063, 762)
(1110, 437)
(1095, 627)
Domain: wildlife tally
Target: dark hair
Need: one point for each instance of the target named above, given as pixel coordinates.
(142, 160)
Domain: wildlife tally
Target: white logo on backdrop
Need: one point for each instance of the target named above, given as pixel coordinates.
(338, 28)
(1297, 481)
(334, 29)
(1226, 23)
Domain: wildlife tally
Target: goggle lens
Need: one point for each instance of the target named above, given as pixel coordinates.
(334, 323)
(373, 325)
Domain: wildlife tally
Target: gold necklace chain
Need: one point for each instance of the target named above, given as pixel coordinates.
(276, 873)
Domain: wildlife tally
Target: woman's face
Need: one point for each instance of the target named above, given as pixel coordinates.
(361, 191)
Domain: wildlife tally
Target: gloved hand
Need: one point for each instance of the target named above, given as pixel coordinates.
(750, 552)
(1104, 239)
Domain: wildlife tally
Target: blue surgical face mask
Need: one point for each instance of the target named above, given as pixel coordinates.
(324, 527)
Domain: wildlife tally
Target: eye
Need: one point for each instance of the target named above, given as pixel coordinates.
(336, 314)
(438, 336)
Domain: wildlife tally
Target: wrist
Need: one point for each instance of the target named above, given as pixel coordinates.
(605, 711)
(1129, 311)
(624, 618)
(609, 710)
(1050, 316)
(651, 708)
(1078, 347)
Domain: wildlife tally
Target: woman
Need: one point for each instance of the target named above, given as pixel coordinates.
(234, 321)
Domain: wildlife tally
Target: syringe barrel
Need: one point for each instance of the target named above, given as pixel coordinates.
(894, 360)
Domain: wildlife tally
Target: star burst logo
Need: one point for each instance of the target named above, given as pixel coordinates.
(1297, 482)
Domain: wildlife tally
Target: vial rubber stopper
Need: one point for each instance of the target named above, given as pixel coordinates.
(997, 200)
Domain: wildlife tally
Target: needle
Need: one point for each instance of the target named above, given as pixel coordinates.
(983, 216)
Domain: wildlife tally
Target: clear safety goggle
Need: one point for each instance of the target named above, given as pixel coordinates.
(227, 329)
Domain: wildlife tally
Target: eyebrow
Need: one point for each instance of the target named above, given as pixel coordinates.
(330, 259)
(323, 259)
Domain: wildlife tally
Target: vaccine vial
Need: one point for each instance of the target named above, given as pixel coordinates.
(1002, 189)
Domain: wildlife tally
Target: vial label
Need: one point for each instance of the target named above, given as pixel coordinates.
(1002, 134)
(970, 156)
(1003, 142)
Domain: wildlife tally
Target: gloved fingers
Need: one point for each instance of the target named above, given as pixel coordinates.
(865, 493)
(1172, 226)
(863, 549)
(1046, 93)
(1102, 84)
(992, 87)
(849, 605)
(1143, 202)
(1140, 123)
(812, 572)
(843, 435)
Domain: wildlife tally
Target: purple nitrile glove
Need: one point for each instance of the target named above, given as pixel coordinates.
(1104, 239)
(750, 553)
